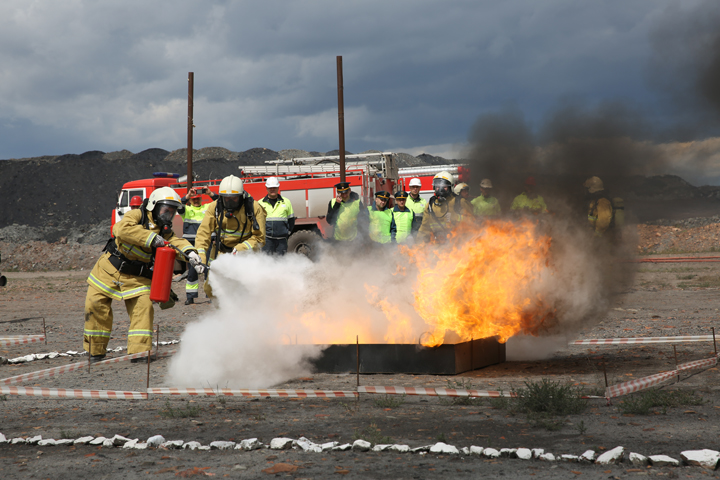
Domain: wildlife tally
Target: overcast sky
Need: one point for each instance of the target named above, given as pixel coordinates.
(108, 75)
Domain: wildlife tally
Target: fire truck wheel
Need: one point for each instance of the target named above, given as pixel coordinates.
(304, 242)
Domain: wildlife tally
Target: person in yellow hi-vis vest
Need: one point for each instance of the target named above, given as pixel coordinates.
(124, 272)
(485, 205)
(529, 201)
(237, 221)
(403, 220)
(192, 218)
(347, 214)
(280, 219)
(416, 203)
(380, 219)
(444, 211)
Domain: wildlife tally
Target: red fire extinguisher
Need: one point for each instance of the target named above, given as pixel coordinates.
(162, 274)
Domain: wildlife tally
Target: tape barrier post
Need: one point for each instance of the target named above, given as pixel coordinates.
(210, 392)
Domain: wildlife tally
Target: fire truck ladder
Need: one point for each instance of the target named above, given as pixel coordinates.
(384, 165)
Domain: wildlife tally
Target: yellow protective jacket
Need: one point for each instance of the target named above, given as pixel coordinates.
(440, 218)
(600, 215)
(133, 241)
(236, 233)
(533, 205)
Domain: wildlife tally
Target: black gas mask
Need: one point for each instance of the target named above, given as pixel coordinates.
(442, 188)
(231, 203)
(163, 214)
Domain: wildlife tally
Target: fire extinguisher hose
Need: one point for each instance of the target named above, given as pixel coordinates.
(207, 267)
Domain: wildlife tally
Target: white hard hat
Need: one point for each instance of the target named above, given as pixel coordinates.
(486, 183)
(231, 185)
(272, 182)
(163, 195)
(415, 182)
(593, 184)
(444, 176)
(460, 187)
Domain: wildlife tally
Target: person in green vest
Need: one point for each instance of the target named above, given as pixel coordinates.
(416, 203)
(192, 218)
(403, 220)
(486, 205)
(347, 214)
(380, 218)
(280, 219)
(529, 202)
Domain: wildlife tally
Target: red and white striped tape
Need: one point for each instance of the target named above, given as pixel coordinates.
(434, 392)
(67, 393)
(634, 340)
(708, 362)
(250, 393)
(21, 339)
(50, 372)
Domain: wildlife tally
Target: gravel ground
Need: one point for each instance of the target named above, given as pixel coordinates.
(666, 299)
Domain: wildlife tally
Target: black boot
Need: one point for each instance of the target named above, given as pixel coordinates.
(143, 359)
(189, 301)
(97, 358)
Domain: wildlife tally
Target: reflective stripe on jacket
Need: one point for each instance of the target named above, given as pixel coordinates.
(380, 224)
(277, 223)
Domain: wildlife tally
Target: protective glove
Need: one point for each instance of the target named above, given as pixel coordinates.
(158, 241)
(194, 258)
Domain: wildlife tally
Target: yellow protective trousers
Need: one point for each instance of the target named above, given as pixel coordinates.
(99, 322)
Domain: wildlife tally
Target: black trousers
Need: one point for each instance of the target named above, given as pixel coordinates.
(275, 246)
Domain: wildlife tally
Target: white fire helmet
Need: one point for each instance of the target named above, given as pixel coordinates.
(486, 183)
(460, 187)
(593, 184)
(272, 182)
(442, 183)
(415, 182)
(163, 195)
(231, 185)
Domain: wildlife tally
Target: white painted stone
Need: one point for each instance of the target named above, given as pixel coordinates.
(569, 458)
(141, 446)
(441, 447)
(547, 457)
(399, 448)
(308, 445)
(423, 449)
(588, 456)
(48, 442)
(637, 459)
(663, 461)
(191, 445)
(108, 442)
(465, 451)
(491, 453)
(155, 441)
(475, 450)
(328, 446)
(222, 445)
(64, 441)
(204, 447)
(34, 440)
(508, 452)
(537, 452)
(83, 440)
(17, 440)
(3, 439)
(281, 443)
(381, 447)
(119, 440)
(524, 453)
(249, 444)
(342, 448)
(611, 457)
(98, 441)
(173, 444)
(702, 458)
(131, 443)
(361, 446)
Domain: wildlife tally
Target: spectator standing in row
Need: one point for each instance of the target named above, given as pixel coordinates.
(280, 219)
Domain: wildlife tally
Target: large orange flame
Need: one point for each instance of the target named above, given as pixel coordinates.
(482, 282)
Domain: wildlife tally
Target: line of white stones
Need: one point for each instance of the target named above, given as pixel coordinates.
(704, 458)
(70, 353)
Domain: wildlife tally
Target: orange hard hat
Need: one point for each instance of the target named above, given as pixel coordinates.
(135, 201)
(530, 181)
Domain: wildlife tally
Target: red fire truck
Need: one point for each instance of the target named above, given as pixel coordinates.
(309, 185)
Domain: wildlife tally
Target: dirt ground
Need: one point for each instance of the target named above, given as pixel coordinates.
(666, 299)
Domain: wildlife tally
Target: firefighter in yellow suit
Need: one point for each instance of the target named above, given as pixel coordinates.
(237, 222)
(124, 272)
(600, 208)
(444, 210)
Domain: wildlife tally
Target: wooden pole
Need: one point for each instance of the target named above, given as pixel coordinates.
(675, 353)
(341, 116)
(89, 351)
(605, 373)
(714, 343)
(357, 358)
(191, 87)
(44, 331)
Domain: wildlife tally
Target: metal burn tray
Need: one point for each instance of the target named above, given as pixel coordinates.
(446, 359)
